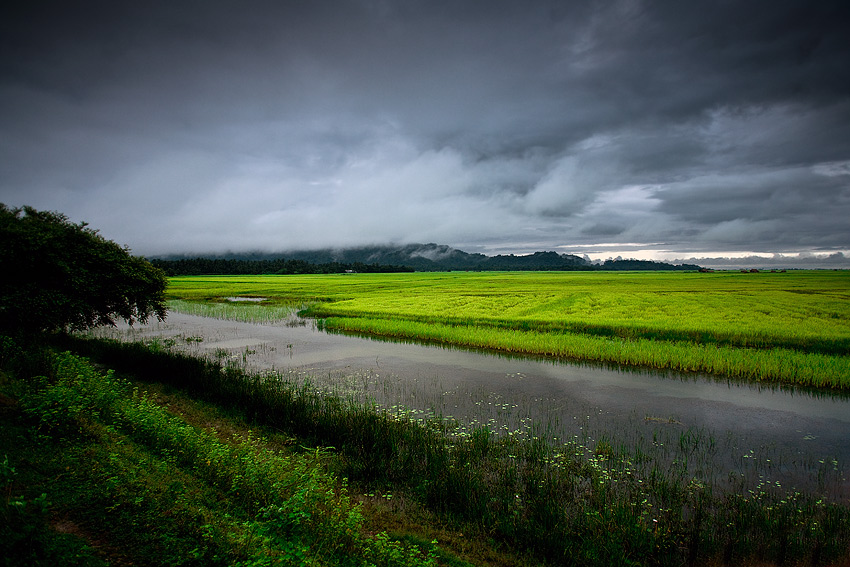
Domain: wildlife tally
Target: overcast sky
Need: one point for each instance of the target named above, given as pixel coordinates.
(663, 129)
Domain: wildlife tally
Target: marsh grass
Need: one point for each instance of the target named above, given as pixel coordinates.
(781, 365)
(262, 312)
(594, 497)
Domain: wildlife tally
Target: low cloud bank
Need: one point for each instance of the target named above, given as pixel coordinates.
(834, 261)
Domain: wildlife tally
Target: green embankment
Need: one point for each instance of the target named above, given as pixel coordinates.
(111, 456)
(122, 472)
(791, 327)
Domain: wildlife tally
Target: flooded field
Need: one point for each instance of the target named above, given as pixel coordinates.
(790, 430)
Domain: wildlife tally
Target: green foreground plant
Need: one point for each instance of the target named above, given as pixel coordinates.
(159, 482)
(604, 503)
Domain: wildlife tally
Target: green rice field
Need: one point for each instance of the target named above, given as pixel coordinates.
(791, 327)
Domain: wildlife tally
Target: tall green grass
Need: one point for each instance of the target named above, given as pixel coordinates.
(776, 365)
(587, 501)
(283, 508)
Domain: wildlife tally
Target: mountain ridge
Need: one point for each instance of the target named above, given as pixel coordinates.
(406, 257)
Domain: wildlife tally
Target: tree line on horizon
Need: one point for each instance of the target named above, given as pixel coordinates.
(424, 258)
(234, 266)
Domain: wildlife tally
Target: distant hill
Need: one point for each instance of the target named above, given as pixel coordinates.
(438, 257)
(410, 257)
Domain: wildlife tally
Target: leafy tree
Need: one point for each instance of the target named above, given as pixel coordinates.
(57, 275)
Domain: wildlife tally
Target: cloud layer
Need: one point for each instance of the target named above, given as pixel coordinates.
(665, 127)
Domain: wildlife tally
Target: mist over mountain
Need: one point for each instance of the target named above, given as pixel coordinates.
(833, 261)
(388, 258)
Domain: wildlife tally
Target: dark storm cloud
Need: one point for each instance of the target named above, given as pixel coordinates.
(495, 126)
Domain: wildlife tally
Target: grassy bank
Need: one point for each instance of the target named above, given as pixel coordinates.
(791, 328)
(604, 502)
(130, 482)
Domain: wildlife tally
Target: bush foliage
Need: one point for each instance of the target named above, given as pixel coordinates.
(61, 275)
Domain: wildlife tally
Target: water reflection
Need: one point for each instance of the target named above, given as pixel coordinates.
(513, 394)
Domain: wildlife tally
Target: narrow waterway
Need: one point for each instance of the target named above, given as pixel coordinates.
(513, 393)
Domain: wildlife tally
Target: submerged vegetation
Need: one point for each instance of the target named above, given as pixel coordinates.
(182, 494)
(792, 328)
(249, 310)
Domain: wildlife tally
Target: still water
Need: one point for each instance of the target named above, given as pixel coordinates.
(511, 393)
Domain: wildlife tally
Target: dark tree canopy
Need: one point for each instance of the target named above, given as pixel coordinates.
(57, 275)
